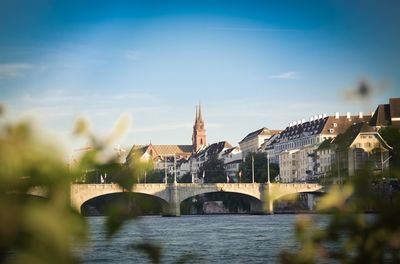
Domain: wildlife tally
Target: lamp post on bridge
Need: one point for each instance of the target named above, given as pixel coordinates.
(268, 180)
(165, 170)
(252, 168)
(175, 169)
(383, 162)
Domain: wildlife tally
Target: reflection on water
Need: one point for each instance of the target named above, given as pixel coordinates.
(212, 238)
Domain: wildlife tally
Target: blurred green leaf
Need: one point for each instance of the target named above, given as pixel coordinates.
(81, 127)
(152, 250)
(117, 215)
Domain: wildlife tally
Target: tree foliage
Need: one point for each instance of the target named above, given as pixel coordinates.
(186, 178)
(213, 170)
(260, 169)
(351, 236)
(392, 136)
(35, 230)
(44, 230)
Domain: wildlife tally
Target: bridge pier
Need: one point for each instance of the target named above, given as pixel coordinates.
(267, 200)
(174, 207)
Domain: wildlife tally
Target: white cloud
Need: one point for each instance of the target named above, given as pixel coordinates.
(12, 70)
(290, 75)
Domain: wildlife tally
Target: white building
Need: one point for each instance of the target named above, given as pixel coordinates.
(232, 159)
(196, 160)
(304, 137)
(252, 142)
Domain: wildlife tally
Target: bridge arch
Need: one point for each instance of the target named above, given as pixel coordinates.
(81, 193)
(134, 202)
(190, 190)
(233, 202)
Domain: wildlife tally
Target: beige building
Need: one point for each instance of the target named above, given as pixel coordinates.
(323, 159)
(358, 147)
(252, 142)
(352, 151)
(166, 157)
(305, 137)
(294, 165)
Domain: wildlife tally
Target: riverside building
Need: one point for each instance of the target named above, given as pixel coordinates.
(294, 147)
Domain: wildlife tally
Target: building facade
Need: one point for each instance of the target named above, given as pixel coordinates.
(360, 147)
(300, 140)
(171, 157)
(252, 141)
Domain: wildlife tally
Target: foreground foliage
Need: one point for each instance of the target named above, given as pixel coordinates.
(351, 236)
(43, 230)
(37, 223)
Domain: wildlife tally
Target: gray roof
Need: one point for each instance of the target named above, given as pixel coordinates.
(385, 112)
(326, 125)
(261, 131)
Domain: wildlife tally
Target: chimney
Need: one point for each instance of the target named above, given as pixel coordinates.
(360, 115)
(337, 115)
(348, 115)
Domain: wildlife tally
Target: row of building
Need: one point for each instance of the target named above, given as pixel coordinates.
(306, 150)
(332, 146)
(189, 159)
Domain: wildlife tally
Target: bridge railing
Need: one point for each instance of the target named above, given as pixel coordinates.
(203, 185)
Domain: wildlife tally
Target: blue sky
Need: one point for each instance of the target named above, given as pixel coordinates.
(250, 63)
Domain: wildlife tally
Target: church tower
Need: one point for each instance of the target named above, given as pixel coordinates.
(199, 132)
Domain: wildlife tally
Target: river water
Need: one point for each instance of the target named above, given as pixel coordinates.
(209, 238)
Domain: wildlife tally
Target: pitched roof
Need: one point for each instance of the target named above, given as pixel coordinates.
(326, 144)
(343, 141)
(260, 132)
(172, 149)
(327, 125)
(394, 107)
(161, 150)
(214, 148)
(381, 116)
(226, 152)
(387, 114)
(268, 143)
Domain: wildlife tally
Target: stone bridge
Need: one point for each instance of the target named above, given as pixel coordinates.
(173, 194)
